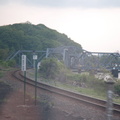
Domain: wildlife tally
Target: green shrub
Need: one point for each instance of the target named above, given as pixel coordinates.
(3, 64)
(89, 81)
(1, 74)
(50, 68)
(6, 64)
(117, 89)
(11, 63)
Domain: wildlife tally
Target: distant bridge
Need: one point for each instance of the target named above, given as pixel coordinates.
(73, 58)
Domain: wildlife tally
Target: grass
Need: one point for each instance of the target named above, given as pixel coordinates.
(116, 100)
(87, 91)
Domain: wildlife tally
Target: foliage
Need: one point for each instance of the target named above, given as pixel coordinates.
(50, 68)
(3, 53)
(6, 64)
(77, 77)
(11, 63)
(117, 88)
(3, 64)
(30, 37)
(88, 80)
(1, 74)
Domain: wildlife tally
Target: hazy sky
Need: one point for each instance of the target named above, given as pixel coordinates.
(95, 24)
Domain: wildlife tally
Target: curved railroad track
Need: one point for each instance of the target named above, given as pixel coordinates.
(87, 100)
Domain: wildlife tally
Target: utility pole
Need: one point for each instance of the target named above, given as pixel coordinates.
(35, 61)
(109, 107)
(23, 68)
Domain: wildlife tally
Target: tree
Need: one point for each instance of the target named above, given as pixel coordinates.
(26, 36)
(50, 68)
(3, 53)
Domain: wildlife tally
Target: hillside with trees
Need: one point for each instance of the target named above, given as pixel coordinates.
(26, 36)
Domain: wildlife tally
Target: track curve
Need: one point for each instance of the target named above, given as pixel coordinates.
(87, 100)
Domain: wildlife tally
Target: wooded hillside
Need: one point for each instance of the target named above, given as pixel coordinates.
(26, 36)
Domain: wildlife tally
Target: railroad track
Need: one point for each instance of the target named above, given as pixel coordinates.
(87, 100)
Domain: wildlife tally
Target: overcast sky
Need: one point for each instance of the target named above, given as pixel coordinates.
(95, 24)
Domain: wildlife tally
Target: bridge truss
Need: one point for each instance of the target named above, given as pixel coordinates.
(29, 56)
(73, 58)
(99, 60)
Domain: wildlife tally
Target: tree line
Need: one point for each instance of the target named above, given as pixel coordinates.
(26, 36)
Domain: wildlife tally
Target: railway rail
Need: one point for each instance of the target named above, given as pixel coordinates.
(87, 100)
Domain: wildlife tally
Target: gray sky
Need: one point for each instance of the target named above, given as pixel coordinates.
(92, 23)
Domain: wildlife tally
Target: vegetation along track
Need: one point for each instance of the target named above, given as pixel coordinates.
(87, 100)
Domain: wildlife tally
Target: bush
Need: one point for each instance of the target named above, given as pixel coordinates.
(6, 64)
(77, 77)
(11, 63)
(117, 89)
(3, 64)
(89, 81)
(50, 68)
(1, 74)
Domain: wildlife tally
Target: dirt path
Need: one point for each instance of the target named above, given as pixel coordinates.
(12, 102)
(13, 108)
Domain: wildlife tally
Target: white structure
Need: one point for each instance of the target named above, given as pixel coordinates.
(23, 66)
